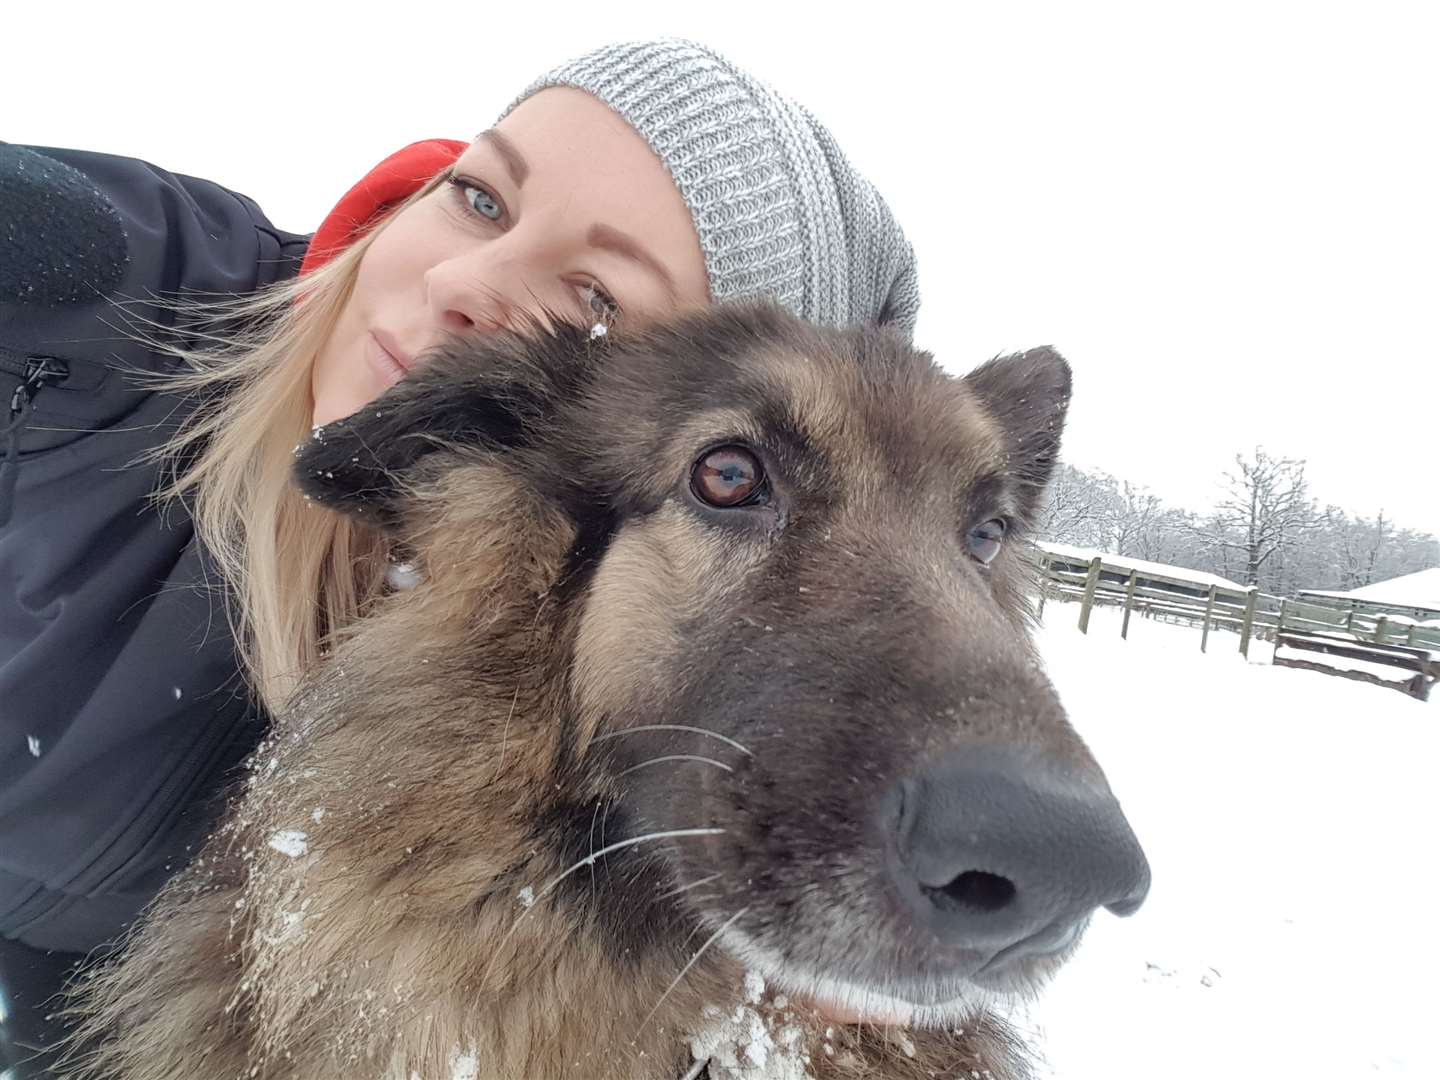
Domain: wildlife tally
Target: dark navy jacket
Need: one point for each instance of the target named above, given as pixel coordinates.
(122, 711)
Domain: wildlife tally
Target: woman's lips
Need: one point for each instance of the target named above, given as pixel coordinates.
(388, 363)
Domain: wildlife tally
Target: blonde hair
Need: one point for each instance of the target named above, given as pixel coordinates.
(296, 576)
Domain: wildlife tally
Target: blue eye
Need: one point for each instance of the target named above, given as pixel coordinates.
(985, 539)
(483, 203)
(600, 303)
(478, 199)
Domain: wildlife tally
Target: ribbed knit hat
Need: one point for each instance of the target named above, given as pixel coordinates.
(779, 210)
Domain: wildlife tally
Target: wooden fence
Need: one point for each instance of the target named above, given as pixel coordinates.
(1306, 624)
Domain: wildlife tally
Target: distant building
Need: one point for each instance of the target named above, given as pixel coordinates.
(1179, 579)
(1414, 596)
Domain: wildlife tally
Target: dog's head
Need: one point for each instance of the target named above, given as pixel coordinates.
(787, 658)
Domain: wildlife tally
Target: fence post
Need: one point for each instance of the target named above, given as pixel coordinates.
(1380, 628)
(1279, 629)
(1044, 585)
(1129, 601)
(1350, 619)
(1209, 607)
(1410, 634)
(1091, 580)
(1249, 621)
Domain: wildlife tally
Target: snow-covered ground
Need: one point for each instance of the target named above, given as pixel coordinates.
(1290, 819)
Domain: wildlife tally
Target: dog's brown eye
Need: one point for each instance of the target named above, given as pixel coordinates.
(727, 476)
(984, 540)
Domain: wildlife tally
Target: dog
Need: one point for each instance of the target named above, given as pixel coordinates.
(710, 737)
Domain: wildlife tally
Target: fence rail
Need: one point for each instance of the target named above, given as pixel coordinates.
(1251, 614)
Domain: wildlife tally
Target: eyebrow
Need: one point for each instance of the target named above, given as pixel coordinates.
(515, 163)
(604, 237)
(609, 238)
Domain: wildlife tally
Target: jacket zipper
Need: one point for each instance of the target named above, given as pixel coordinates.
(34, 372)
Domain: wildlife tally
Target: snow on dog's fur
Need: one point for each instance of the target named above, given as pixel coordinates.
(628, 738)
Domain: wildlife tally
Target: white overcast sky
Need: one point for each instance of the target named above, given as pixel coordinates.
(1224, 214)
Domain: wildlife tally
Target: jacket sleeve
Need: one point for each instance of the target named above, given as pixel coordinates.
(182, 237)
(122, 709)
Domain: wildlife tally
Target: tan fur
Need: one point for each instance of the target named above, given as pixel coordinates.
(655, 576)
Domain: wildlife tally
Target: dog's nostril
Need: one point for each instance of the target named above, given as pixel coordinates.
(975, 890)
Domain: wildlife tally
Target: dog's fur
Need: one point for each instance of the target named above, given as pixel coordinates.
(455, 763)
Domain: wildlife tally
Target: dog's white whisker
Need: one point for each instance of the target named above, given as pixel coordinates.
(688, 965)
(505, 736)
(593, 819)
(677, 757)
(590, 859)
(532, 905)
(693, 885)
(674, 727)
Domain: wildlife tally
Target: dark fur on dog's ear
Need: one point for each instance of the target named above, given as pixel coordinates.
(1028, 393)
(471, 394)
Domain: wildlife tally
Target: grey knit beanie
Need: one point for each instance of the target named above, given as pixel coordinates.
(779, 210)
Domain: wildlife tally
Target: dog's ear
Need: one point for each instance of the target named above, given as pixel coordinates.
(1028, 394)
(471, 396)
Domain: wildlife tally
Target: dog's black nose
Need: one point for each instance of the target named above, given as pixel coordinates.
(1008, 854)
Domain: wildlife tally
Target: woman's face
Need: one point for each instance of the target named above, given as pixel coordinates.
(562, 205)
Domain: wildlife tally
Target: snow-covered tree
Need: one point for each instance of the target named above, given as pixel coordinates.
(1266, 530)
(1267, 506)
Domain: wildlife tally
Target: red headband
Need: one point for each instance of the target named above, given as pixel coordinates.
(381, 189)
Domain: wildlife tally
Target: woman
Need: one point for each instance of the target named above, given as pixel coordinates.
(143, 642)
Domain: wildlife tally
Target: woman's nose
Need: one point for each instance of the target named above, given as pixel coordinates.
(480, 290)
